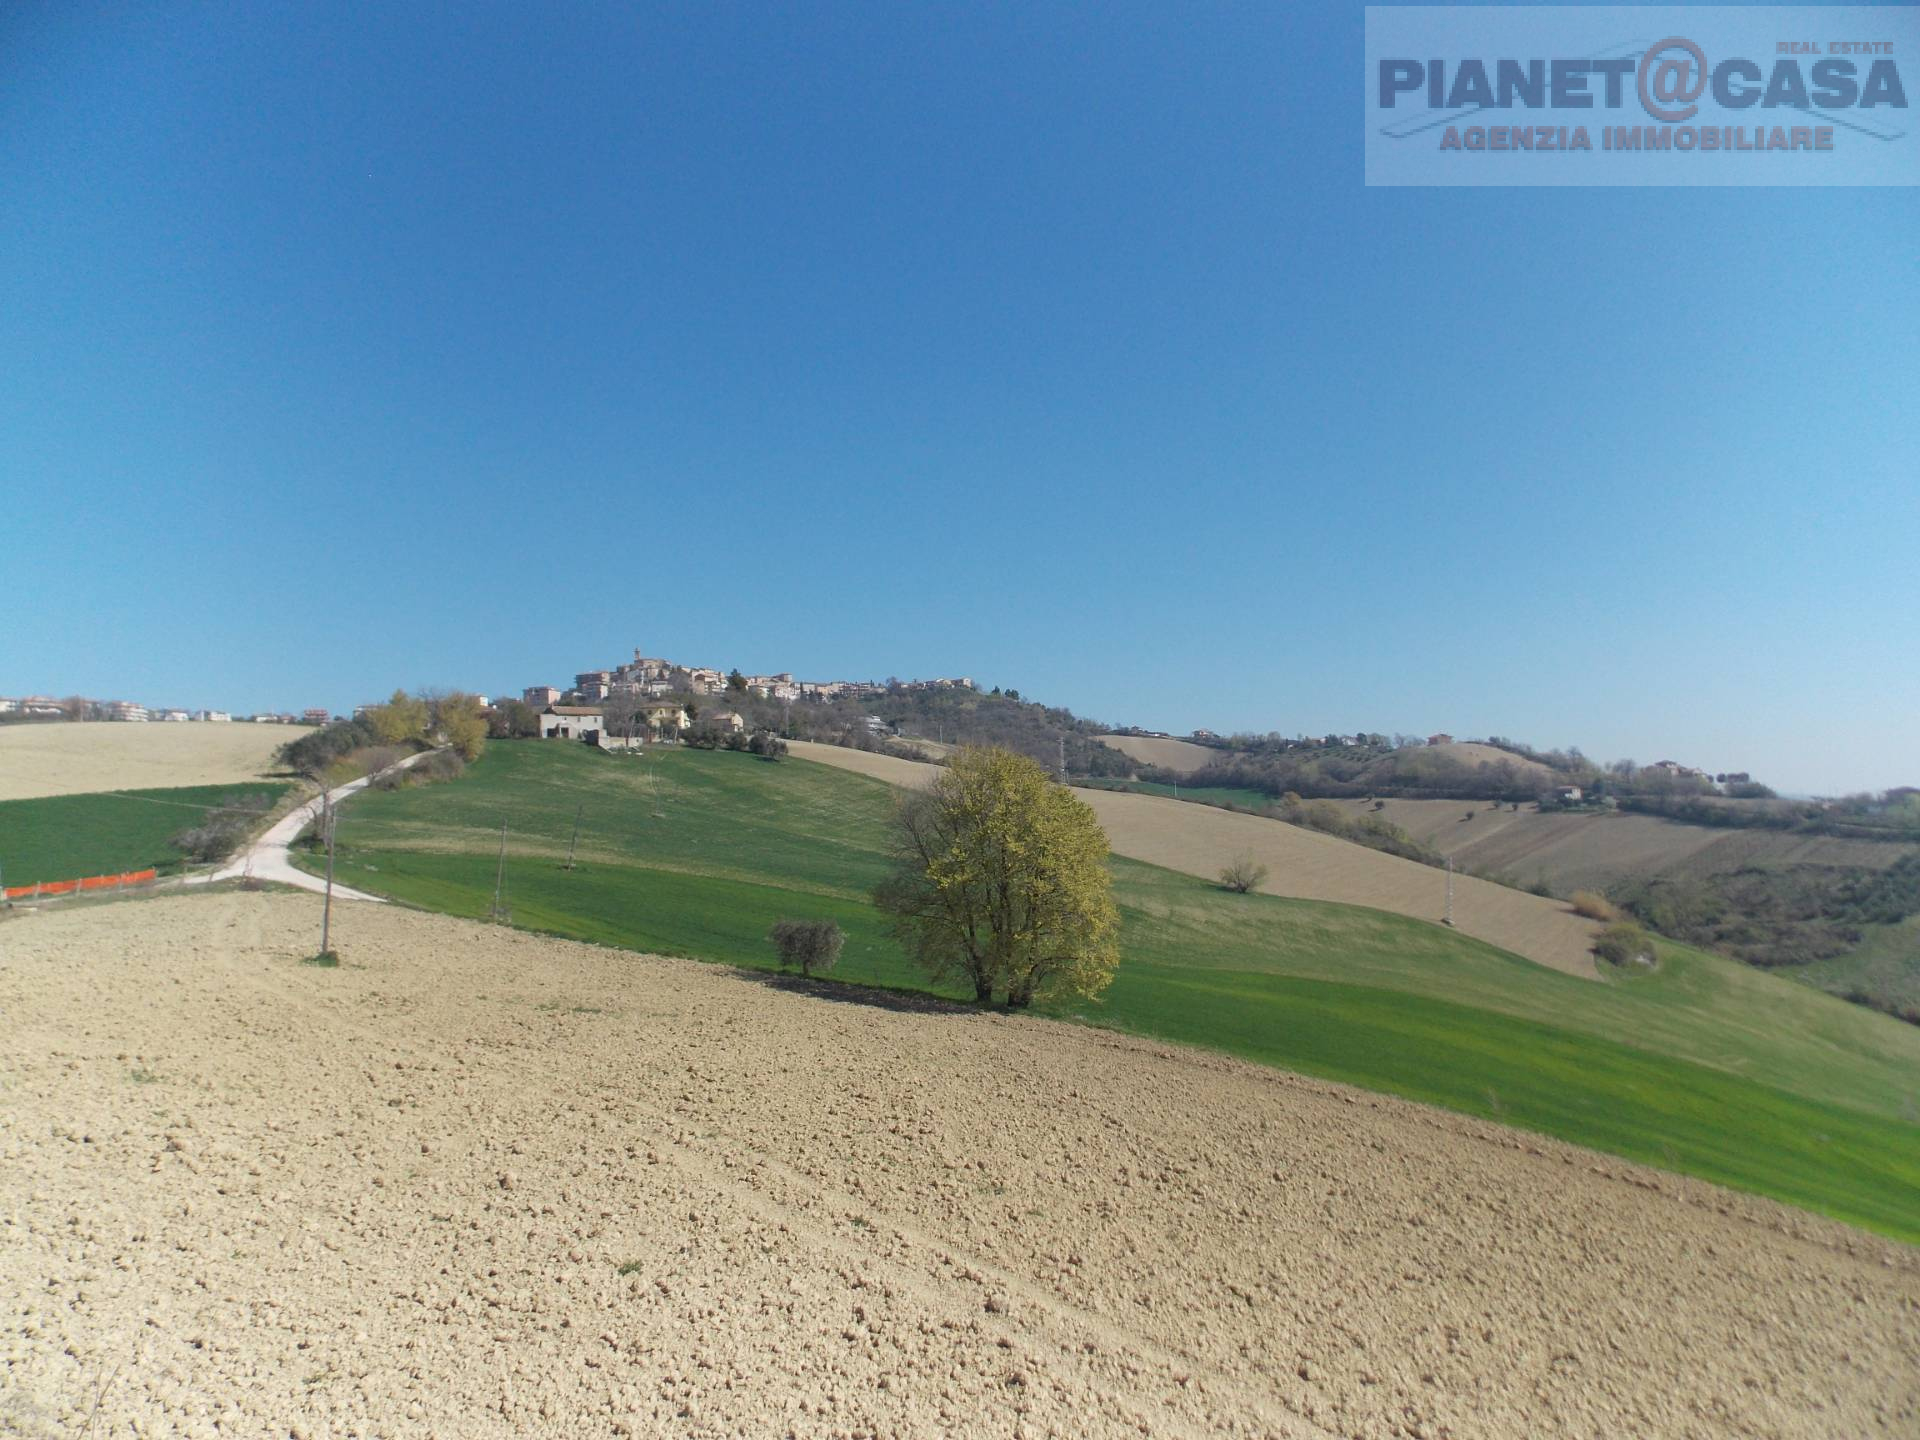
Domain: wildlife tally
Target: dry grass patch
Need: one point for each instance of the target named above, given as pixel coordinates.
(77, 759)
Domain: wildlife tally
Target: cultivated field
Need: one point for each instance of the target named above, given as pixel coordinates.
(1181, 756)
(63, 759)
(1592, 851)
(65, 837)
(1703, 1066)
(483, 1183)
(1469, 752)
(1198, 840)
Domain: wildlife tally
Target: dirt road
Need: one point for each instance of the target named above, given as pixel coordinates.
(480, 1183)
(267, 858)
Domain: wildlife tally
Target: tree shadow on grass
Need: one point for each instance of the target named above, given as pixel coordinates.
(847, 992)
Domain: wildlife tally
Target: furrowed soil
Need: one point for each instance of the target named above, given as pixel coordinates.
(476, 1182)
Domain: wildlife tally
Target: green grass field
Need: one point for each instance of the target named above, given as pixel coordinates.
(1221, 795)
(1885, 964)
(67, 837)
(1703, 1066)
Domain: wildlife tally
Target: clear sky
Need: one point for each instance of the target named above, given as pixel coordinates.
(352, 346)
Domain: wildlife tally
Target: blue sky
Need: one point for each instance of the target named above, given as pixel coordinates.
(351, 347)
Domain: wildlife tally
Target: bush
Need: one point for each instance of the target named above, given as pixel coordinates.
(1624, 944)
(222, 830)
(810, 945)
(440, 765)
(379, 759)
(312, 753)
(1242, 875)
(1593, 906)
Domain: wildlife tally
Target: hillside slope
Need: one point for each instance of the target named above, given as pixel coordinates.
(1580, 850)
(89, 756)
(1703, 1066)
(585, 1191)
(1472, 752)
(1183, 757)
(1198, 840)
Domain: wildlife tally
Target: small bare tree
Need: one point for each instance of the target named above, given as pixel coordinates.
(623, 713)
(810, 945)
(1243, 874)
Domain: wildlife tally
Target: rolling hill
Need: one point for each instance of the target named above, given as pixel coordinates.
(1182, 757)
(1703, 1066)
(1199, 840)
(1574, 850)
(82, 758)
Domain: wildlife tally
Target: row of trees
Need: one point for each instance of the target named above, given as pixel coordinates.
(406, 722)
(432, 717)
(951, 716)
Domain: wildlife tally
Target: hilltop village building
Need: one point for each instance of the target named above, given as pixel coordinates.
(650, 676)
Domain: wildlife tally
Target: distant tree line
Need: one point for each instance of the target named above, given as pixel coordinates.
(1775, 916)
(951, 717)
(1360, 772)
(405, 723)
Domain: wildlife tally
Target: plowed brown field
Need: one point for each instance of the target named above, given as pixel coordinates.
(479, 1183)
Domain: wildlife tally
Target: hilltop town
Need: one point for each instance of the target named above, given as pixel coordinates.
(649, 676)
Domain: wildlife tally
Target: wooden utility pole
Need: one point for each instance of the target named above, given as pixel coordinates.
(1449, 919)
(326, 832)
(1063, 759)
(498, 914)
(576, 833)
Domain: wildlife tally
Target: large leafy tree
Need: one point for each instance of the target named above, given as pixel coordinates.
(401, 719)
(458, 718)
(1000, 879)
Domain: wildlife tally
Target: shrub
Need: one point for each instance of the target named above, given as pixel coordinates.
(222, 829)
(1624, 944)
(379, 759)
(312, 753)
(1593, 906)
(1325, 816)
(810, 945)
(440, 765)
(1242, 875)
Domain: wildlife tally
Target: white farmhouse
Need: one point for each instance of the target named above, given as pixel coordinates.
(585, 723)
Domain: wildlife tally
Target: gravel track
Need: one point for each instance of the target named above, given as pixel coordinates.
(480, 1183)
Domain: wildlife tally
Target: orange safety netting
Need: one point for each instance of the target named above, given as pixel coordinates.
(68, 887)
